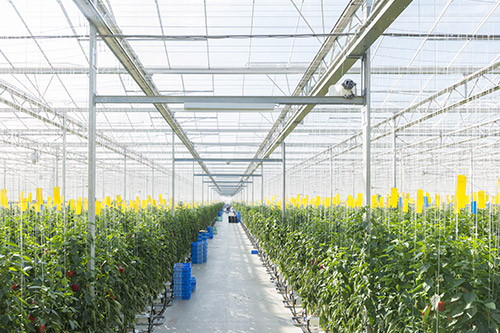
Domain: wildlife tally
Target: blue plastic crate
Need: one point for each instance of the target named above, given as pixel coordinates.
(255, 252)
(182, 288)
(182, 266)
(182, 275)
(193, 284)
(187, 296)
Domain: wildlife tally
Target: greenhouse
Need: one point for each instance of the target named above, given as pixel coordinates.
(250, 166)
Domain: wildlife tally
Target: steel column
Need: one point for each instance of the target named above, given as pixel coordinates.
(283, 185)
(367, 122)
(173, 174)
(92, 145)
(152, 183)
(125, 176)
(262, 184)
(193, 185)
(64, 162)
(394, 156)
(331, 175)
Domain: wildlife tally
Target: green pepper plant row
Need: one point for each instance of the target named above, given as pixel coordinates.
(404, 272)
(45, 285)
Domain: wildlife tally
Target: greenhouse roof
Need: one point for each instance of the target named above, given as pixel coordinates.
(434, 90)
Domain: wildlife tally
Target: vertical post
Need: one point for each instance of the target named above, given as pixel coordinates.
(331, 174)
(283, 196)
(193, 185)
(202, 191)
(57, 168)
(92, 145)
(394, 156)
(124, 175)
(262, 184)
(366, 68)
(103, 184)
(471, 175)
(173, 173)
(253, 193)
(401, 173)
(152, 182)
(64, 162)
(4, 174)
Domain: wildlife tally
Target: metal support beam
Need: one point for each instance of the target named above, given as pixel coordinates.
(231, 160)
(394, 157)
(192, 188)
(366, 62)
(64, 163)
(380, 70)
(153, 183)
(173, 174)
(324, 72)
(92, 147)
(262, 184)
(98, 14)
(227, 182)
(283, 184)
(283, 100)
(225, 175)
(124, 177)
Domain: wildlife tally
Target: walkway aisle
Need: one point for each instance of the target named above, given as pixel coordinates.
(233, 291)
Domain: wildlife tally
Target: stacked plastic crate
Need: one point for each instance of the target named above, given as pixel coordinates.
(197, 252)
(182, 281)
(202, 237)
(210, 232)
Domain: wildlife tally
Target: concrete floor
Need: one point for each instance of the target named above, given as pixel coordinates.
(233, 291)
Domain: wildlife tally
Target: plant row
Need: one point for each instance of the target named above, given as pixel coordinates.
(45, 281)
(400, 272)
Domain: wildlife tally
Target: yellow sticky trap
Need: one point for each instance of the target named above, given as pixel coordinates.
(154, 203)
(144, 203)
(394, 197)
(350, 201)
(72, 204)
(474, 196)
(381, 202)
(438, 200)
(78, 210)
(57, 195)
(328, 201)
(149, 199)
(318, 201)
(359, 200)
(49, 202)
(428, 197)
(37, 208)
(58, 207)
(405, 205)
(97, 208)
(85, 204)
(461, 190)
(160, 197)
(374, 203)
(480, 200)
(39, 196)
(4, 200)
(30, 197)
(420, 201)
